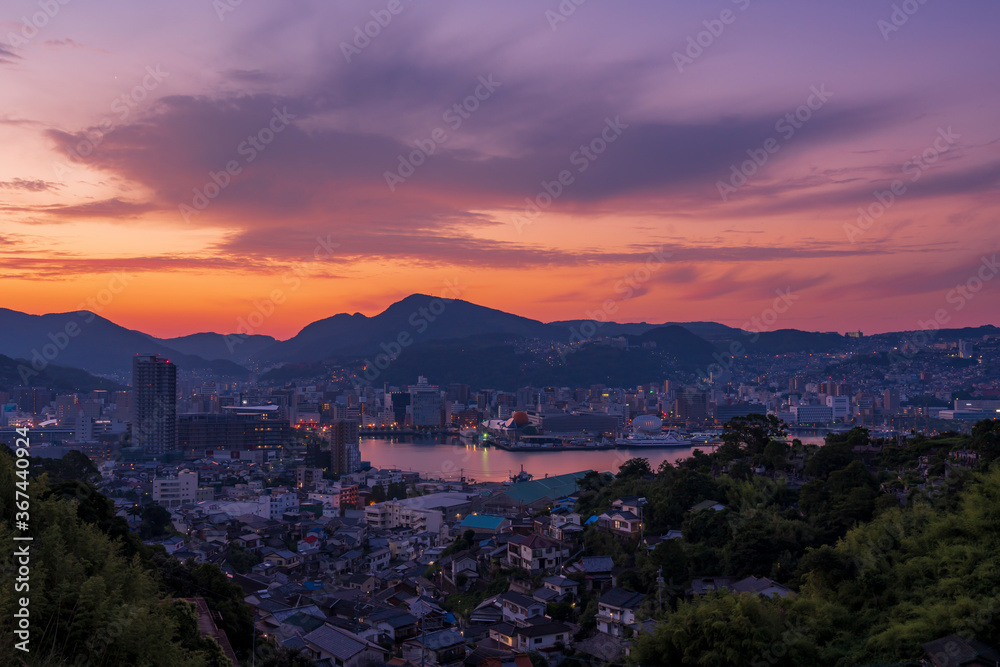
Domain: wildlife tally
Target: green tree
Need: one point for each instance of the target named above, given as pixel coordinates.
(155, 519)
(722, 630)
(90, 603)
(242, 560)
(775, 455)
(635, 467)
(749, 435)
(740, 470)
(76, 465)
(986, 439)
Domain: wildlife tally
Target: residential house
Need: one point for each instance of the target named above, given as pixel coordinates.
(518, 608)
(566, 525)
(597, 571)
(534, 553)
(343, 648)
(757, 585)
(708, 505)
(431, 615)
(762, 586)
(280, 557)
(443, 648)
(620, 522)
(362, 581)
(488, 612)
(562, 586)
(705, 585)
(543, 636)
(633, 504)
(616, 610)
(483, 525)
(284, 623)
(378, 560)
(250, 541)
(397, 625)
(463, 565)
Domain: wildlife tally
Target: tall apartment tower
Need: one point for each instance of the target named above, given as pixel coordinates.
(890, 401)
(154, 404)
(345, 449)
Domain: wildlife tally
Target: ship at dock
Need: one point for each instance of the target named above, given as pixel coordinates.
(668, 439)
(647, 431)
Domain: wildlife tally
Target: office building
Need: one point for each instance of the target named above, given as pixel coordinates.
(692, 403)
(812, 414)
(425, 404)
(724, 412)
(841, 406)
(235, 428)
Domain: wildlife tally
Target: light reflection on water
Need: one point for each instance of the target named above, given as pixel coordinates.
(446, 457)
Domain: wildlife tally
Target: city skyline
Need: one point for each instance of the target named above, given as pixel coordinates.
(540, 159)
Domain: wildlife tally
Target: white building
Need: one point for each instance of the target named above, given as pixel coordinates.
(616, 610)
(841, 406)
(280, 503)
(175, 491)
(396, 514)
(422, 513)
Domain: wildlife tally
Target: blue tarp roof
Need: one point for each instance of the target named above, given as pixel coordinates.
(482, 521)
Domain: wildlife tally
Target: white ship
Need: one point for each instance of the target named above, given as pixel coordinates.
(647, 431)
(640, 439)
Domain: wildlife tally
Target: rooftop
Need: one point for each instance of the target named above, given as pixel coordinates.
(621, 598)
(552, 488)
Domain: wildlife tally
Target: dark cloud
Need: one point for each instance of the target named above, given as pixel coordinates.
(113, 209)
(28, 185)
(8, 57)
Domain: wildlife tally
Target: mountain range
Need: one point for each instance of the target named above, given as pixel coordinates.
(450, 340)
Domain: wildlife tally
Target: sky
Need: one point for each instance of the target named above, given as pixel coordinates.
(177, 167)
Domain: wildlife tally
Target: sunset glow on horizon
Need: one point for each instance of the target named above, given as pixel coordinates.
(684, 163)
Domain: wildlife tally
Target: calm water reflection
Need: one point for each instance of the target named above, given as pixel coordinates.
(446, 457)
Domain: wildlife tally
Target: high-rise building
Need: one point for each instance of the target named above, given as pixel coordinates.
(692, 403)
(459, 392)
(345, 449)
(154, 404)
(890, 402)
(399, 402)
(67, 406)
(32, 399)
(425, 404)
